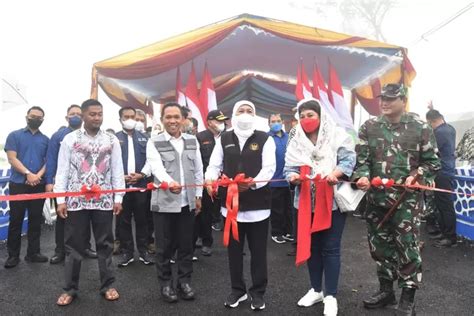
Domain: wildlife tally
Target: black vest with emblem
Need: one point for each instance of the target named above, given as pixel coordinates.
(206, 145)
(248, 161)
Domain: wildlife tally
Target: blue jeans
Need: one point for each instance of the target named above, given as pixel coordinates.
(326, 255)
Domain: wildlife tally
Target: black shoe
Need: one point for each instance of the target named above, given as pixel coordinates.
(383, 297)
(406, 306)
(11, 262)
(258, 304)
(217, 226)
(125, 260)
(185, 291)
(206, 251)
(431, 229)
(91, 254)
(57, 258)
(233, 300)
(37, 257)
(435, 236)
(168, 294)
(146, 258)
(278, 239)
(445, 243)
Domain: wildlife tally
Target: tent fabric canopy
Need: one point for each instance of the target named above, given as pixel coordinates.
(238, 49)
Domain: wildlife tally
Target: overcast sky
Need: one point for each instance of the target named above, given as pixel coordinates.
(50, 46)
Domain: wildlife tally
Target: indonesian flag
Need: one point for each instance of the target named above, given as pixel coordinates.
(336, 97)
(180, 96)
(207, 96)
(303, 89)
(192, 100)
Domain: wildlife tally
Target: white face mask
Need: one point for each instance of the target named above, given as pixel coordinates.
(220, 127)
(129, 124)
(244, 121)
(139, 126)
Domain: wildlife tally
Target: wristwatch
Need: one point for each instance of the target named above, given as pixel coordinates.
(27, 172)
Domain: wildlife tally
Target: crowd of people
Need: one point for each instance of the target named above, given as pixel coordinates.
(290, 182)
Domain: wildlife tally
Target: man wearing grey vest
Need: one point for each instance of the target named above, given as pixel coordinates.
(174, 157)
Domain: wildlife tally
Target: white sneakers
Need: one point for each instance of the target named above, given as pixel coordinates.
(330, 306)
(311, 298)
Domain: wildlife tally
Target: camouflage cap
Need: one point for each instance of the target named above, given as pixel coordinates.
(393, 90)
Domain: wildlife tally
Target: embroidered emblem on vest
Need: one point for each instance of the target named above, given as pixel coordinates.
(254, 146)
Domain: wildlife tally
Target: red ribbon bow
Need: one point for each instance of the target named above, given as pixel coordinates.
(163, 186)
(92, 192)
(382, 183)
(232, 205)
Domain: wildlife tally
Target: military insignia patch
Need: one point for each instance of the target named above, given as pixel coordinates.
(254, 146)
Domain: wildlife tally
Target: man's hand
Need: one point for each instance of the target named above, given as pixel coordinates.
(409, 184)
(117, 208)
(332, 179)
(295, 179)
(135, 177)
(208, 186)
(33, 179)
(49, 187)
(61, 210)
(363, 184)
(198, 206)
(175, 187)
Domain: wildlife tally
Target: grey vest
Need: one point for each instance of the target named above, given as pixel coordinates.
(165, 201)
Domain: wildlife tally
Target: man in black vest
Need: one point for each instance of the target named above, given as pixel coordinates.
(245, 150)
(210, 208)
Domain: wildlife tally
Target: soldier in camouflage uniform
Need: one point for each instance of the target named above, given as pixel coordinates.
(394, 145)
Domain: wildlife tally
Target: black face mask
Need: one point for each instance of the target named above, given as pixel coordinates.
(34, 123)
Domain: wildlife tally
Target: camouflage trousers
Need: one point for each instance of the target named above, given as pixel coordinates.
(394, 246)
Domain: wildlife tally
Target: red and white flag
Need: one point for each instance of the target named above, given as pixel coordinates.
(207, 95)
(302, 89)
(180, 96)
(336, 97)
(192, 100)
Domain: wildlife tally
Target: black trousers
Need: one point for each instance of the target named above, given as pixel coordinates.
(281, 211)
(149, 219)
(134, 204)
(59, 235)
(256, 234)
(445, 205)
(203, 221)
(75, 230)
(174, 231)
(17, 214)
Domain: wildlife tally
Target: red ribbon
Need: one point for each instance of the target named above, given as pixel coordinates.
(382, 183)
(151, 186)
(322, 212)
(232, 205)
(92, 192)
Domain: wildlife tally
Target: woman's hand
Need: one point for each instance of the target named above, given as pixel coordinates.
(332, 179)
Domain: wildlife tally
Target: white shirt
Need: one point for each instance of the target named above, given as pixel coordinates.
(104, 170)
(216, 164)
(155, 163)
(131, 155)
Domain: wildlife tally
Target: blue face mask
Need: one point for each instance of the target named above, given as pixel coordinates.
(276, 127)
(75, 121)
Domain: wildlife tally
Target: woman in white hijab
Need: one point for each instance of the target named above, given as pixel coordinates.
(245, 150)
(321, 151)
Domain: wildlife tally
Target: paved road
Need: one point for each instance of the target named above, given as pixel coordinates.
(32, 289)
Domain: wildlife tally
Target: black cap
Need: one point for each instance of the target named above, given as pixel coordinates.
(216, 115)
(393, 90)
